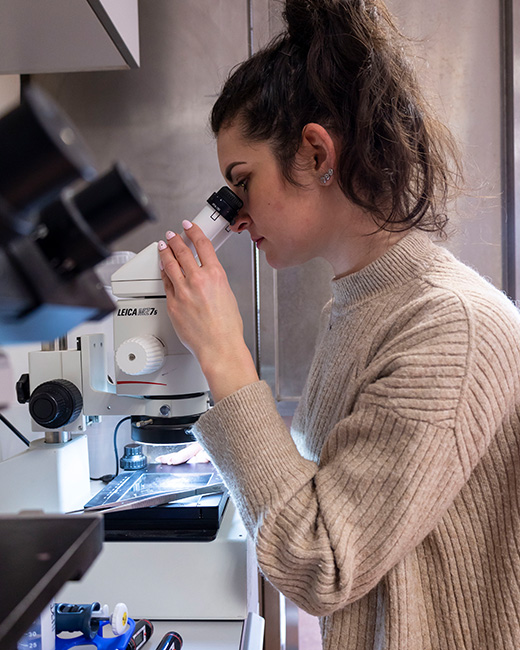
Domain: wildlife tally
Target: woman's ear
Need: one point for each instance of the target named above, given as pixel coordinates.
(318, 149)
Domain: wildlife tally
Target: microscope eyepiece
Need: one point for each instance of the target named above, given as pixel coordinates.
(53, 231)
(75, 230)
(216, 216)
(226, 203)
(41, 152)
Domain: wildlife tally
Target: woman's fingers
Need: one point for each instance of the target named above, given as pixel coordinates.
(202, 244)
(177, 259)
(171, 271)
(201, 305)
(191, 451)
(182, 252)
(201, 457)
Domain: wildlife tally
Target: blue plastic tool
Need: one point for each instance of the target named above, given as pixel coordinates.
(103, 643)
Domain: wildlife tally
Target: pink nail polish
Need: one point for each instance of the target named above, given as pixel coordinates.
(186, 224)
(161, 245)
(170, 234)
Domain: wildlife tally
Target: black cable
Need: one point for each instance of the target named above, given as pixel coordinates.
(14, 430)
(129, 417)
(108, 477)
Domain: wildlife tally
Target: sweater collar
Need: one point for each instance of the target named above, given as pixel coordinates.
(405, 260)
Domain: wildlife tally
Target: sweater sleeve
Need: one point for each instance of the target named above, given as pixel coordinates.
(327, 532)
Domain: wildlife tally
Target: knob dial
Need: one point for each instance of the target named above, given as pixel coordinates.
(140, 355)
(55, 403)
(133, 457)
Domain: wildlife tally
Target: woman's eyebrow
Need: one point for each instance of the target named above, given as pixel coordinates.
(229, 169)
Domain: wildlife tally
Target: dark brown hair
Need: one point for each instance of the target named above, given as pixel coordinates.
(341, 64)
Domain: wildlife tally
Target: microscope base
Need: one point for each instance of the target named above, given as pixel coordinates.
(49, 477)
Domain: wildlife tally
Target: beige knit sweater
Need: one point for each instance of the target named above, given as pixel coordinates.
(393, 511)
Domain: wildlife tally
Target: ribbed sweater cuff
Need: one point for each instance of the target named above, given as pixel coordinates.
(257, 469)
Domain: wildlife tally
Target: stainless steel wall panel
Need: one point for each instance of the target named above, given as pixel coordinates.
(514, 135)
(458, 45)
(260, 23)
(511, 140)
(155, 118)
(457, 50)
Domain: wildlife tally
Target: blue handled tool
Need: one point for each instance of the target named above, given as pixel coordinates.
(103, 643)
(91, 620)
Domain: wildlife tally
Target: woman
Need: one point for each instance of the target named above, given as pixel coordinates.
(391, 509)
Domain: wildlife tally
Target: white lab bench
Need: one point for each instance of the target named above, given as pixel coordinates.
(213, 635)
(204, 590)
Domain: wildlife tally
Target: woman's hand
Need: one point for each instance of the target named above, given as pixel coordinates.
(192, 453)
(204, 311)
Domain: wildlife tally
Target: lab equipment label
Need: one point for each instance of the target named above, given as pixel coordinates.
(137, 311)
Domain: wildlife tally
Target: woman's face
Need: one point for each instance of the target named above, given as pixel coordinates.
(283, 220)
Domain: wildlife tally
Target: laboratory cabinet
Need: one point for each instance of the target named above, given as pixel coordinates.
(68, 35)
(206, 591)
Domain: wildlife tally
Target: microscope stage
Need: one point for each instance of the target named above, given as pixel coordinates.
(192, 518)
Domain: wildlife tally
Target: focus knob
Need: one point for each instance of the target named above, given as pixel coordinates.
(55, 403)
(133, 457)
(140, 355)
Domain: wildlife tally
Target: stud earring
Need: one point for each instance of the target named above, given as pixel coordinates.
(326, 177)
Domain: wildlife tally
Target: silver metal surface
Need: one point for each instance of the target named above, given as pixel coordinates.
(57, 437)
(155, 119)
(515, 136)
(511, 145)
(459, 60)
(458, 57)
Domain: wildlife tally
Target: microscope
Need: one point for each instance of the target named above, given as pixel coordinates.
(57, 218)
(49, 251)
(157, 382)
(52, 238)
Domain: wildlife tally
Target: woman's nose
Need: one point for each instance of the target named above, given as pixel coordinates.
(241, 222)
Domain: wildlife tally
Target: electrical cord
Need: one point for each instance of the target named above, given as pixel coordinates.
(17, 433)
(129, 417)
(108, 477)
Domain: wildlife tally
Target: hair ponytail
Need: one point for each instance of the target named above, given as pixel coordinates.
(340, 63)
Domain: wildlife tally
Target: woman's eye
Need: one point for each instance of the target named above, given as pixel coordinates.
(242, 184)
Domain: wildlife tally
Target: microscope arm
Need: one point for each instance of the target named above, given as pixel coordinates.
(100, 398)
